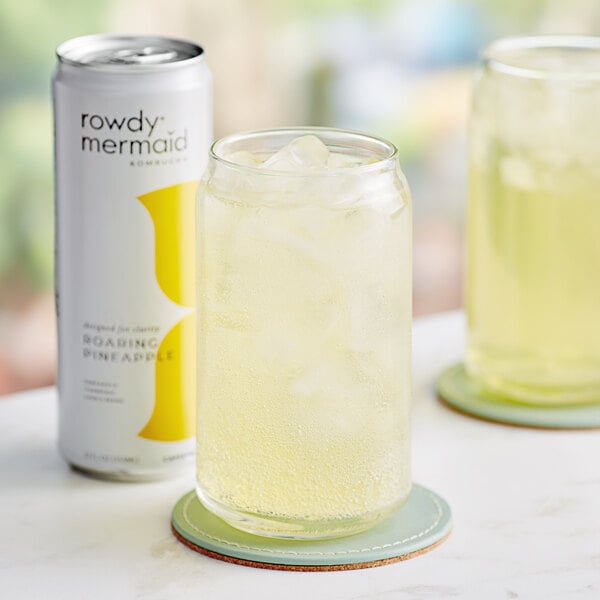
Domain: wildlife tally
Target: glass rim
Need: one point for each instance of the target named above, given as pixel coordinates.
(492, 55)
(388, 158)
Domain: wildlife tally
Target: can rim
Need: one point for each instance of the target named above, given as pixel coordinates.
(390, 155)
(493, 55)
(73, 52)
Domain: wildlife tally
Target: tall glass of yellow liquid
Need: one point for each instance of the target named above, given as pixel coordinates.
(304, 317)
(533, 269)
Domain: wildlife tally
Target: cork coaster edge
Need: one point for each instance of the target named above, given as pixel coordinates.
(307, 568)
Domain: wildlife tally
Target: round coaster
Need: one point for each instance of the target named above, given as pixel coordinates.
(461, 392)
(422, 523)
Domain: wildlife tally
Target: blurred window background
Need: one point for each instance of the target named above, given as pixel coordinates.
(398, 68)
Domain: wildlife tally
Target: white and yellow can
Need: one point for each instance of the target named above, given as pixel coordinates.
(133, 124)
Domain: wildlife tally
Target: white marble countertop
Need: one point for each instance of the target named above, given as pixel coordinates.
(526, 507)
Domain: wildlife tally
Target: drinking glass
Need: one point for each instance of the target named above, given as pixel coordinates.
(304, 312)
(533, 289)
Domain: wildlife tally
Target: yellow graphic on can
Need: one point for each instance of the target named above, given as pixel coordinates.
(172, 212)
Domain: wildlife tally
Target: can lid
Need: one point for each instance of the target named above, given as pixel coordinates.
(127, 52)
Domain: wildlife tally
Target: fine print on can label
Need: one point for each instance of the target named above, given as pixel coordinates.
(133, 126)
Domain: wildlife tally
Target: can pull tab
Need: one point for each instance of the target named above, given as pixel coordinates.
(146, 55)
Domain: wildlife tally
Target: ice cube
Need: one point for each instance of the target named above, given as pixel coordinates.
(388, 204)
(517, 172)
(244, 158)
(330, 398)
(383, 193)
(392, 193)
(339, 160)
(306, 152)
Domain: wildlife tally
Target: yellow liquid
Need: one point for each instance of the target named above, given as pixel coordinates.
(533, 292)
(304, 366)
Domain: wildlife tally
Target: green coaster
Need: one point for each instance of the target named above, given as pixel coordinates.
(464, 394)
(422, 523)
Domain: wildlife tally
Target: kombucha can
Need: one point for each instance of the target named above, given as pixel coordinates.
(132, 125)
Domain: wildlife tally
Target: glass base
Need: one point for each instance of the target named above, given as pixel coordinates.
(295, 529)
(536, 383)
(420, 525)
(465, 394)
(532, 395)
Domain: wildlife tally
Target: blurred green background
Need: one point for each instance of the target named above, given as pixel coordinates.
(398, 68)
